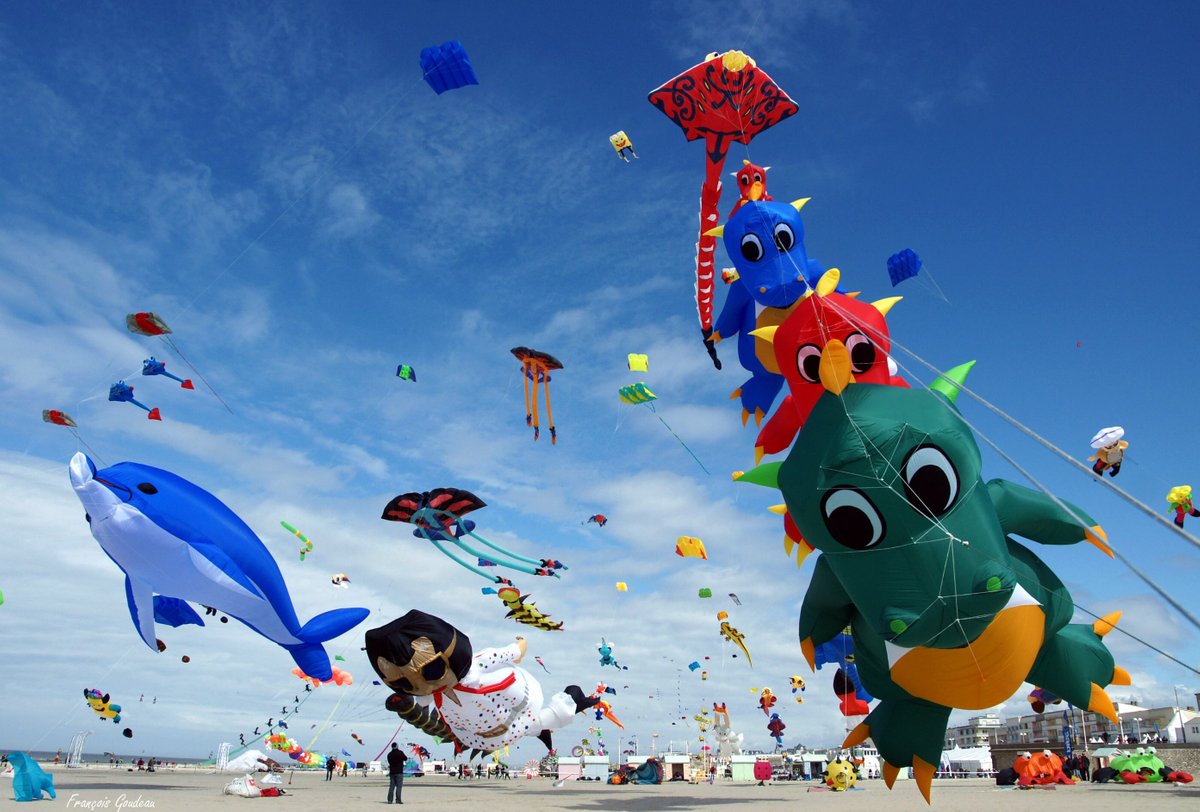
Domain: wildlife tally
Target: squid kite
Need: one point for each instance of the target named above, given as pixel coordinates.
(437, 513)
(726, 99)
(536, 367)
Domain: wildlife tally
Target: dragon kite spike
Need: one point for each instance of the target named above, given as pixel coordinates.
(923, 774)
(798, 204)
(767, 333)
(1120, 676)
(885, 305)
(1096, 536)
(809, 650)
(890, 771)
(719, 231)
(1101, 703)
(857, 736)
(828, 282)
(1106, 624)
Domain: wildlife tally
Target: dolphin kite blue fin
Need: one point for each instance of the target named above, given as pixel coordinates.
(310, 655)
(141, 610)
(175, 612)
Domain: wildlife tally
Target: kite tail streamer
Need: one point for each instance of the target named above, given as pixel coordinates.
(525, 369)
(537, 562)
(549, 412)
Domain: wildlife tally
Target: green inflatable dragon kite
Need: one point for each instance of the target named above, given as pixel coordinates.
(947, 610)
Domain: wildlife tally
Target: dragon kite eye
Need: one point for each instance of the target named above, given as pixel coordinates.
(930, 481)
(758, 178)
(744, 180)
(851, 519)
(752, 248)
(862, 352)
(785, 238)
(147, 488)
(808, 363)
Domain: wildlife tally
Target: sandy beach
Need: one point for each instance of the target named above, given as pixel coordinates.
(102, 788)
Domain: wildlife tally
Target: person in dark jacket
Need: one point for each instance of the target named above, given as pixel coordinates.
(396, 759)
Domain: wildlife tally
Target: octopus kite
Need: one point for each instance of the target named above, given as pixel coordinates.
(437, 516)
(536, 366)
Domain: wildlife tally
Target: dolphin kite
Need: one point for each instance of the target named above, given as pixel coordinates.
(175, 539)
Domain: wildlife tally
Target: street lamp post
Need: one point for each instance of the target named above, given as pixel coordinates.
(1137, 727)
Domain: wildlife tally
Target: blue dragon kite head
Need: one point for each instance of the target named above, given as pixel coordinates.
(765, 240)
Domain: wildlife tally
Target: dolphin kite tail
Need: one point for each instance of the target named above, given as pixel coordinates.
(310, 655)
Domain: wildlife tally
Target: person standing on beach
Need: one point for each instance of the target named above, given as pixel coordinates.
(330, 766)
(396, 759)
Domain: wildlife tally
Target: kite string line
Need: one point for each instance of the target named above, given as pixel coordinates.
(321, 729)
(389, 742)
(681, 442)
(1128, 497)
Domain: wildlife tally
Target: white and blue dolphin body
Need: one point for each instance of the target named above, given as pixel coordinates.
(172, 538)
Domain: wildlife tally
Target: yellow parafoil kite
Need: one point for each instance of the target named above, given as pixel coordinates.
(690, 547)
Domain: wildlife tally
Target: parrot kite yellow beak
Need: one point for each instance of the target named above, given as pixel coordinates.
(756, 191)
(835, 367)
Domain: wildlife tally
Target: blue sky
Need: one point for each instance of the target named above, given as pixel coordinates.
(279, 183)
